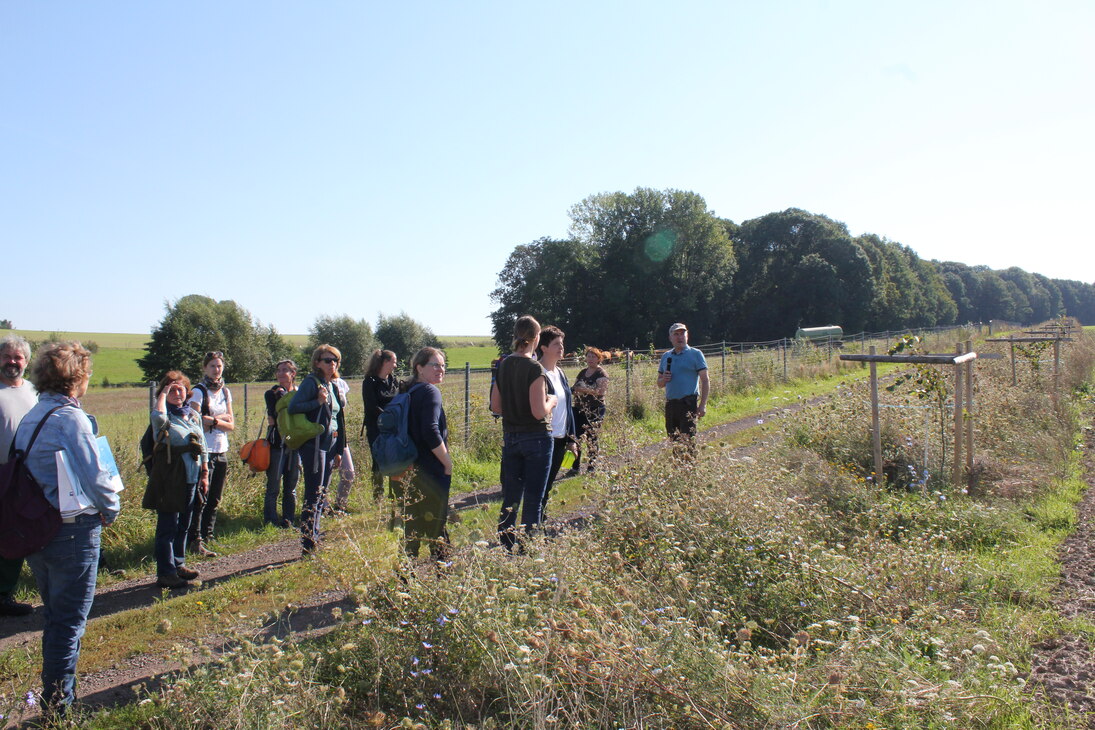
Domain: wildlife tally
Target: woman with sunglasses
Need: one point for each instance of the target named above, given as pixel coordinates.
(320, 401)
(212, 399)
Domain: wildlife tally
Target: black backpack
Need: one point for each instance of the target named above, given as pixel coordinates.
(28, 521)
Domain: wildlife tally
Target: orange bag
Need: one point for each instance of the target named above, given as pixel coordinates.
(256, 454)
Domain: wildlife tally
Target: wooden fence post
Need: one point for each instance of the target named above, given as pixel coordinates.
(627, 383)
(956, 469)
(969, 413)
(876, 426)
(723, 352)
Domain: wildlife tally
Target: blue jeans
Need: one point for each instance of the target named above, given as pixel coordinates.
(284, 468)
(526, 460)
(65, 570)
(316, 465)
(171, 534)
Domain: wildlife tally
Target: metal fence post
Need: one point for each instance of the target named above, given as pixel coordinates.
(783, 344)
(467, 402)
(151, 394)
(245, 428)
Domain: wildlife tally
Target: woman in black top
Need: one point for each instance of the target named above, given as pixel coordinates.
(589, 390)
(284, 463)
(378, 387)
(426, 507)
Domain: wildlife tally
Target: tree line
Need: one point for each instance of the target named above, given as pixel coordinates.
(196, 324)
(635, 262)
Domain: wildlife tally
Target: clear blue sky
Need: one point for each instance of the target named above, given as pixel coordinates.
(360, 157)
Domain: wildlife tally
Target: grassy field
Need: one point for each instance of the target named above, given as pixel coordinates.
(783, 588)
(116, 359)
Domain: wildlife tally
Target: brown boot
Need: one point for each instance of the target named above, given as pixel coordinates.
(187, 573)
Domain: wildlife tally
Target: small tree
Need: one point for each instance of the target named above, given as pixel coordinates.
(404, 336)
(196, 324)
(353, 337)
(5, 324)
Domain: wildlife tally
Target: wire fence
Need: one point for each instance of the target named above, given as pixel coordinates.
(733, 367)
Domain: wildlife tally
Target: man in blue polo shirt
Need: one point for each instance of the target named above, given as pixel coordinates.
(683, 373)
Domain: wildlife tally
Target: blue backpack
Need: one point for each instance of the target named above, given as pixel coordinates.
(393, 450)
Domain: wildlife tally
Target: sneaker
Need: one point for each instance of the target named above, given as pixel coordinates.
(187, 573)
(11, 607)
(172, 580)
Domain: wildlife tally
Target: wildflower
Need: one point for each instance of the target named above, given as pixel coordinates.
(414, 661)
(31, 699)
(437, 695)
(442, 619)
(453, 611)
(366, 622)
(426, 646)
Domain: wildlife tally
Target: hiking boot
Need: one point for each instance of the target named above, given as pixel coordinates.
(200, 548)
(187, 573)
(172, 580)
(11, 607)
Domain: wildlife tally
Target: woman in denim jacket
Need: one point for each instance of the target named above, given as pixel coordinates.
(66, 569)
(319, 400)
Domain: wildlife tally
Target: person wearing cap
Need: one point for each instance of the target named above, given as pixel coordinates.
(683, 373)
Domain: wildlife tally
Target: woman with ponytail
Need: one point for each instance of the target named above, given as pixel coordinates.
(212, 399)
(521, 396)
(426, 496)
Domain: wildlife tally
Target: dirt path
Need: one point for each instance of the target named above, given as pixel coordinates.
(312, 617)
(1063, 667)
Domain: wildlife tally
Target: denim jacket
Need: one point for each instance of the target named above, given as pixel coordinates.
(70, 429)
(178, 435)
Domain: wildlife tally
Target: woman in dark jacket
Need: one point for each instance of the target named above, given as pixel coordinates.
(284, 470)
(426, 506)
(173, 419)
(319, 400)
(590, 387)
(378, 387)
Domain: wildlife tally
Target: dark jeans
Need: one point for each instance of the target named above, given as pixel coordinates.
(425, 512)
(526, 460)
(680, 421)
(204, 517)
(284, 471)
(558, 450)
(588, 426)
(171, 533)
(65, 571)
(9, 574)
(316, 466)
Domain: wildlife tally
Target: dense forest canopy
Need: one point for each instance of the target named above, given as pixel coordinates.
(636, 262)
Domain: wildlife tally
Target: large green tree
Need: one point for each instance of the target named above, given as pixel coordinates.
(556, 281)
(799, 269)
(662, 256)
(353, 338)
(197, 324)
(404, 335)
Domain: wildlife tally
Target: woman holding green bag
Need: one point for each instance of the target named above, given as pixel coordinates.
(320, 402)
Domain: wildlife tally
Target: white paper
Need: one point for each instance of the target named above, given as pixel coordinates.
(106, 458)
(70, 497)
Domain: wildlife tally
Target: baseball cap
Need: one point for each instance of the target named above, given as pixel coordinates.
(676, 326)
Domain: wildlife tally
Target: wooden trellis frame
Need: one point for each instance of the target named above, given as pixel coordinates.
(962, 361)
(1056, 339)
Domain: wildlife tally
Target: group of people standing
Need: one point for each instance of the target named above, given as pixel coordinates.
(543, 418)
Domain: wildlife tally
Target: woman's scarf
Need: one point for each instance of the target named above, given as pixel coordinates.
(182, 411)
(213, 385)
